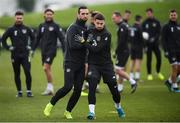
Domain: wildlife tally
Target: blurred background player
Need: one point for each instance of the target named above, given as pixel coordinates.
(20, 47)
(100, 64)
(171, 45)
(48, 33)
(122, 52)
(152, 27)
(137, 44)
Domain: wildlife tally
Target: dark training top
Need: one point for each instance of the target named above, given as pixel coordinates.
(75, 51)
(152, 27)
(21, 37)
(171, 37)
(99, 47)
(136, 39)
(48, 34)
(122, 37)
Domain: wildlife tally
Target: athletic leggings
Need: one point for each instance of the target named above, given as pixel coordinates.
(92, 91)
(157, 52)
(16, 63)
(73, 76)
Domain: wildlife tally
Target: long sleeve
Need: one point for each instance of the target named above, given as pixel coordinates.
(4, 38)
(100, 45)
(37, 39)
(32, 37)
(122, 38)
(164, 38)
(72, 41)
(61, 36)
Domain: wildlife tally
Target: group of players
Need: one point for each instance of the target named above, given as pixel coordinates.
(87, 54)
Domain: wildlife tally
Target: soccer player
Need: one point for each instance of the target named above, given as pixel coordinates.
(100, 64)
(20, 47)
(47, 34)
(152, 26)
(137, 44)
(90, 27)
(122, 51)
(74, 64)
(127, 16)
(171, 45)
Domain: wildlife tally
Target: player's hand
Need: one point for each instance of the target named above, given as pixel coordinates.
(28, 47)
(11, 48)
(79, 38)
(90, 38)
(32, 53)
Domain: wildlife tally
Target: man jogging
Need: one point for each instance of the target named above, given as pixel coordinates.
(74, 64)
(48, 33)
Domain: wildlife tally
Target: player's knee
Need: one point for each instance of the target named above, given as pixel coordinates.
(68, 87)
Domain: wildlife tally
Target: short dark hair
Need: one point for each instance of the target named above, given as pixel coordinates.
(81, 7)
(19, 13)
(99, 17)
(117, 13)
(127, 11)
(172, 10)
(93, 13)
(138, 17)
(49, 10)
(149, 9)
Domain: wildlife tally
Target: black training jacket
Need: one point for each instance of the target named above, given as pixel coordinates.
(75, 51)
(136, 39)
(21, 38)
(171, 37)
(48, 35)
(99, 47)
(122, 37)
(153, 28)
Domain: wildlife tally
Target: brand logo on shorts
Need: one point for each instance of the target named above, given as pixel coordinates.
(174, 59)
(89, 73)
(68, 70)
(48, 59)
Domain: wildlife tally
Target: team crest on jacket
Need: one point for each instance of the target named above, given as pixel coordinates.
(98, 38)
(42, 29)
(178, 27)
(24, 31)
(154, 24)
(51, 28)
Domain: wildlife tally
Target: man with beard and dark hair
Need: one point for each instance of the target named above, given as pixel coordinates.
(100, 64)
(90, 27)
(21, 38)
(47, 35)
(74, 64)
(171, 45)
(152, 27)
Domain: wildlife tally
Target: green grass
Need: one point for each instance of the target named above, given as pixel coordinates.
(66, 17)
(151, 102)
